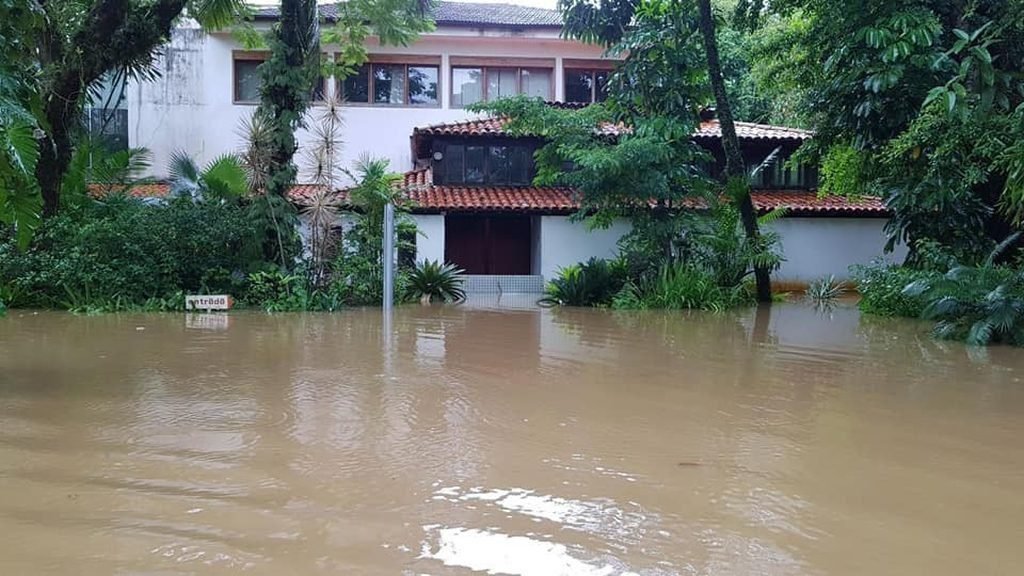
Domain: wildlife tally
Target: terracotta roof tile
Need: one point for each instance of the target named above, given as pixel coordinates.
(428, 197)
(751, 131)
(708, 129)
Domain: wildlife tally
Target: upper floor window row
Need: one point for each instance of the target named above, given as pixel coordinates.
(471, 84)
(246, 79)
(413, 80)
(392, 85)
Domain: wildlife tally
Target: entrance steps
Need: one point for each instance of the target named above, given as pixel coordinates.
(486, 284)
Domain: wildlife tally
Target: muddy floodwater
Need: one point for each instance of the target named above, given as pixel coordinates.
(476, 440)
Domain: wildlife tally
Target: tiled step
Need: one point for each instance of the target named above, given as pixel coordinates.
(480, 284)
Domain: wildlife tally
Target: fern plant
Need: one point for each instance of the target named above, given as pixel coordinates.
(981, 305)
(433, 281)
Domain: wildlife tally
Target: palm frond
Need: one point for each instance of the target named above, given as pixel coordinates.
(183, 174)
(225, 176)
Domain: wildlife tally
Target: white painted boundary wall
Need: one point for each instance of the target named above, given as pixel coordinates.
(817, 247)
(564, 243)
(430, 237)
(813, 247)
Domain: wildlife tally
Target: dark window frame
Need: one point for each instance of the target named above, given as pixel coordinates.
(370, 92)
(442, 174)
(244, 56)
(484, 97)
(595, 90)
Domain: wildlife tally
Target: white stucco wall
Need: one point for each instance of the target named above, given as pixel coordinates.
(817, 247)
(563, 242)
(430, 240)
(190, 106)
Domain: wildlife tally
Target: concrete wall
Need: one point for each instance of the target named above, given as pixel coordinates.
(563, 242)
(430, 240)
(816, 247)
(190, 106)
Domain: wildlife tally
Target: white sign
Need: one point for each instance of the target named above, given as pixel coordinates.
(218, 302)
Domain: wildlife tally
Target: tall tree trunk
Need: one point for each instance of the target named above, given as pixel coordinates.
(735, 170)
(287, 81)
(113, 32)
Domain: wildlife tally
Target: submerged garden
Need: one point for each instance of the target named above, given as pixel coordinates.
(920, 103)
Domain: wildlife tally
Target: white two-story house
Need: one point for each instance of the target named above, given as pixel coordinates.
(470, 184)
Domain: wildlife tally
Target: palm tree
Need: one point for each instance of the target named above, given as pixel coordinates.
(223, 178)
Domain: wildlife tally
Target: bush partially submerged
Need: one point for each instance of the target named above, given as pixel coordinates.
(591, 283)
(681, 287)
(881, 287)
(123, 253)
(981, 305)
(432, 281)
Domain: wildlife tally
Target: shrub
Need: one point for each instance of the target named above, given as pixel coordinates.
(123, 253)
(981, 305)
(681, 287)
(275, 291)
(824, 290)
(882, 293)
(591, 283)
(431, 280)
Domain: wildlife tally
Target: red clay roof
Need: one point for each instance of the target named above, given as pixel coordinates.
(427, 197)
(708, 129)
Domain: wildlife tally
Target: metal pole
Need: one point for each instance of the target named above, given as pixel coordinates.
(389, 256)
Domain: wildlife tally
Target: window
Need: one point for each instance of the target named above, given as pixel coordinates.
(247, 78)
(392, 85)
(586, 86)
(479, 83)
(496, 164)
(784, 175)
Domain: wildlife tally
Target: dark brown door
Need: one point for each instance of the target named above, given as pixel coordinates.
(488, 244)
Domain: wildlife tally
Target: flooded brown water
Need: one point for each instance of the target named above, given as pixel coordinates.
(521, 442)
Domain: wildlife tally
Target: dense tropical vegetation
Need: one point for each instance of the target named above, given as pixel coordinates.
(919, 102)
(73, 236)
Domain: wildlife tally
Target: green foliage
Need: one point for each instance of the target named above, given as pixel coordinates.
(431, 280)
(882, 287)
(276, 291)
(123, 253)
(591, 283)
(681, 287)
(824, 291)
(223, 179)
(981, 305)
(920, 104)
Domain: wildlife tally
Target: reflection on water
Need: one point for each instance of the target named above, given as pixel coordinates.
(506, 440)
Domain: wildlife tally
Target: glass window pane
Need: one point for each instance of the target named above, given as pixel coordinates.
(453, 157)
(578, 84)
(467, 86)
(501, 83)
(520, 158)
(389, 84)
(247, 80)
(537, 83)
(423, 85)
(356, 88)
(601, 93)
(475, 156)
(497, 165)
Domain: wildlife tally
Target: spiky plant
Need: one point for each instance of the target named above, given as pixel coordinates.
(323, 209)
(824, 291)
(433, 281)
